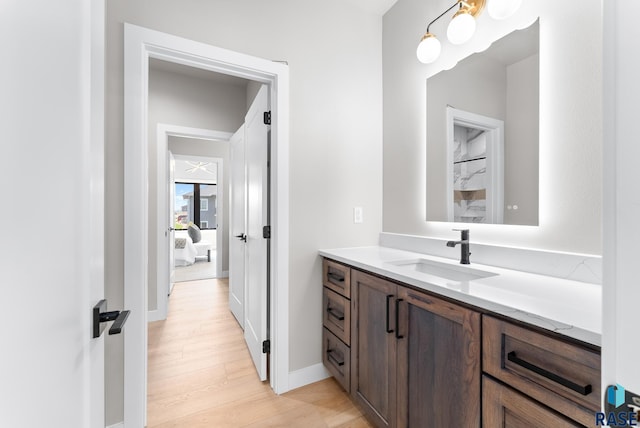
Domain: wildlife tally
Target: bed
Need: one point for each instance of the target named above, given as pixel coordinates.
(185, 252)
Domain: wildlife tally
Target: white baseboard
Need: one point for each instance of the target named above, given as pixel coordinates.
(307, 376)
(225, 274)
(118, 425)
(154, 315)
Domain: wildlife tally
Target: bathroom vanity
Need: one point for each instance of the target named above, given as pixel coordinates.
(419, 341)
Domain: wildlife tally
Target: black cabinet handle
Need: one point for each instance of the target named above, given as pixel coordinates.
(333, 359)
(398, 335)
(389, 297)
(584, 390)
(336, 314)
(334, 277)
(242, 237)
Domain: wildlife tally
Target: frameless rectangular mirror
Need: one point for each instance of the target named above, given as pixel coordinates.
(482, 135)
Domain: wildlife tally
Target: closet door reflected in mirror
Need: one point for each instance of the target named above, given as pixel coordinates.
(475, 168)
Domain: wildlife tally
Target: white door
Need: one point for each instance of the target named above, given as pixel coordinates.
(238, 226)
(171, 230)
(51, 179)
(256, 297)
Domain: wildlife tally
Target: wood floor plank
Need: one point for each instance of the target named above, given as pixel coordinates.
(200, 373)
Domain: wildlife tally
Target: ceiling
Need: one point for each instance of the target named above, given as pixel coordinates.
(379, 7)
(191, 169)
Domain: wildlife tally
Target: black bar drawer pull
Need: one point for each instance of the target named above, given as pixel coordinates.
(336, 314)
(334, 277)
(584, 390)
(333, 359)
(389, 297)
(398, 335)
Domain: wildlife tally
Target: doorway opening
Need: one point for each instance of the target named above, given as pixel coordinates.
(197, 206)
(140, 45)
(187, 143)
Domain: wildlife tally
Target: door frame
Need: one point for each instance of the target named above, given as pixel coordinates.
(164, 131)
(140, 45)
(233, 271)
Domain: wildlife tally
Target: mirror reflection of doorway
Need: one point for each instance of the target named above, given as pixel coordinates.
(469, 175)
(475, 168)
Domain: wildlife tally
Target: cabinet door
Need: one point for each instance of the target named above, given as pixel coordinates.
(373, 347)
(439, 371)
(503, 407)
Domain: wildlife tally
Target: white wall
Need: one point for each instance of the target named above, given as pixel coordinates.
(570, 123)
(334, 54)
(188, 101)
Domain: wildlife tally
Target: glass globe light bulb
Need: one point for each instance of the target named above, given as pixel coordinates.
(461, 28)
(428, 49)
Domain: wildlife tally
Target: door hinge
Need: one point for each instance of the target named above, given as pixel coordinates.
(266, 347)
(266, 232)
(267, 117)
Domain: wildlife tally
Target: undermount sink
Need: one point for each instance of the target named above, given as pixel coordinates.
(443, 270)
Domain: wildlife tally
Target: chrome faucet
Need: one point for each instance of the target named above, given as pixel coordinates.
(464, 245)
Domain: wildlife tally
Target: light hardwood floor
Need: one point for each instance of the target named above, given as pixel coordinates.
(200, 373)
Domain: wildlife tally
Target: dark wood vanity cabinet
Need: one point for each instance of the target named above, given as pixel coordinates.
(415, 358)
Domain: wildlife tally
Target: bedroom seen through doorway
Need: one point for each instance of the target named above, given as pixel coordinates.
(195, 204)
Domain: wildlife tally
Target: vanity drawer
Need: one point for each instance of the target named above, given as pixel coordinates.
(502, 407)
(336, 357)
(559, 374)
(336, 314)
(337, 277)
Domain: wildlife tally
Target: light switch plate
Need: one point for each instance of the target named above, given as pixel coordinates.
(357, 215)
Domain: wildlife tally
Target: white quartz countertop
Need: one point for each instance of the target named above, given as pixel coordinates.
(571, 308)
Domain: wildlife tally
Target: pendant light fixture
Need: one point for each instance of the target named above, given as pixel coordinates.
(462, 25)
